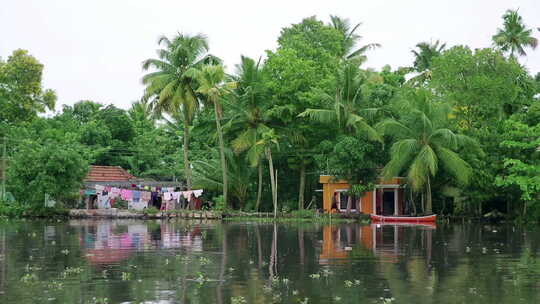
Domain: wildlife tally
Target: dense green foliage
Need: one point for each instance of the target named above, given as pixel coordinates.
(461, 125)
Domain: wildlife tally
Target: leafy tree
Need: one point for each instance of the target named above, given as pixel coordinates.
(422, 142)
(171, 88)
(514, 36)
(57, 170)
(481, 85)
(366, 157)
(522, 164)
(21, 94)
(212, 84)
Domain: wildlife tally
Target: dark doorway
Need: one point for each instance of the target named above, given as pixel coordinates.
(388, 203)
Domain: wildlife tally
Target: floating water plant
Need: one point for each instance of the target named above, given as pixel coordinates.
(238, 300)
(348, 283)
(29, 278)
(204, 261)
(315, 275)
(126, 276)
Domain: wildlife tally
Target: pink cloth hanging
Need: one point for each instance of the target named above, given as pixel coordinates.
(126, 194)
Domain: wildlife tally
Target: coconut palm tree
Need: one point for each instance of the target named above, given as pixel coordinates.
(350, 40)
(169, 87)
(423, 58)
(514, 36)
(345, 108)
(211, 80)
(248, 120)
(423, 142)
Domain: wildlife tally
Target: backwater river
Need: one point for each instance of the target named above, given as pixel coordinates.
(155, 261)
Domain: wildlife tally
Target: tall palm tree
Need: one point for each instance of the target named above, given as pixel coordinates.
(350, 39)
(248, 114)
(345, 109)
(425, 54)
(423, 58)
(268, 141)
(212, 85)
(422, 142)
(169, 86)
(514, 36)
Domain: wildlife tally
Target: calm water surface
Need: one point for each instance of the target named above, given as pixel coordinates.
(123, 261)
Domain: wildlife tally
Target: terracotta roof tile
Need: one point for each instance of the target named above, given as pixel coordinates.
(108, 174)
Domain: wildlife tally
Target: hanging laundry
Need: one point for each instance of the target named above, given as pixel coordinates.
(89, 192)
(170, 189)
(103, 202)
(136, 196)
(167, 196)
(108, 188)
(187, 194)
(126, 194)
(176, 195)
(115, 192)
(197, 193)
(153, 189)
(145, 196)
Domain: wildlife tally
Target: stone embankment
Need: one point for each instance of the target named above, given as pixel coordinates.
(127, 214)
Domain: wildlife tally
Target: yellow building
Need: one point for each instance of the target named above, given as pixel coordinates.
(386, 199)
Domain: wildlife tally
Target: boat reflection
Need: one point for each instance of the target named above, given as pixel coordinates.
(385, 241)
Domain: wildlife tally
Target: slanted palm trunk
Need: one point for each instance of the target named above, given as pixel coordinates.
(187, 166)
(268, 153)
(302, 186)
(259, 187)
(428, 197)
(221, 152)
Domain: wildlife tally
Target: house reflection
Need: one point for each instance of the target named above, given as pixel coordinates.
(385, 241)
(110, 242)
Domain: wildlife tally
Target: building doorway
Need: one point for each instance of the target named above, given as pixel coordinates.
(388, 203)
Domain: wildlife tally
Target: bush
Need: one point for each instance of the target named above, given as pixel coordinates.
(220, 203)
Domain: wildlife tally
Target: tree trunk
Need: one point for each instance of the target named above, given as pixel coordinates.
(429, 205)
(219, 290)
(272, 267)
(412, 202)
(222, 153)
(302, 186)
(185, 148)
(349, 203)
(272, 179)
(259, 187)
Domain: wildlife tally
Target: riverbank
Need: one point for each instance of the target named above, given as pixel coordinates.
(307, 215)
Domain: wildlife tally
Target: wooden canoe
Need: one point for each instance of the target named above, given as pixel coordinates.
(404, 219)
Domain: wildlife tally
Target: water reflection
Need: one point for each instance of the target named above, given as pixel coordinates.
(386, 241)
(132, 261)
(109, 242)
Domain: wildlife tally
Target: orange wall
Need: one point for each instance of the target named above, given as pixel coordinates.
(331, 185)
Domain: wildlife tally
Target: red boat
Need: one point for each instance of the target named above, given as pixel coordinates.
(404, 219)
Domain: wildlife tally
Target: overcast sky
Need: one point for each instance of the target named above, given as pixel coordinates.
(94, 49)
